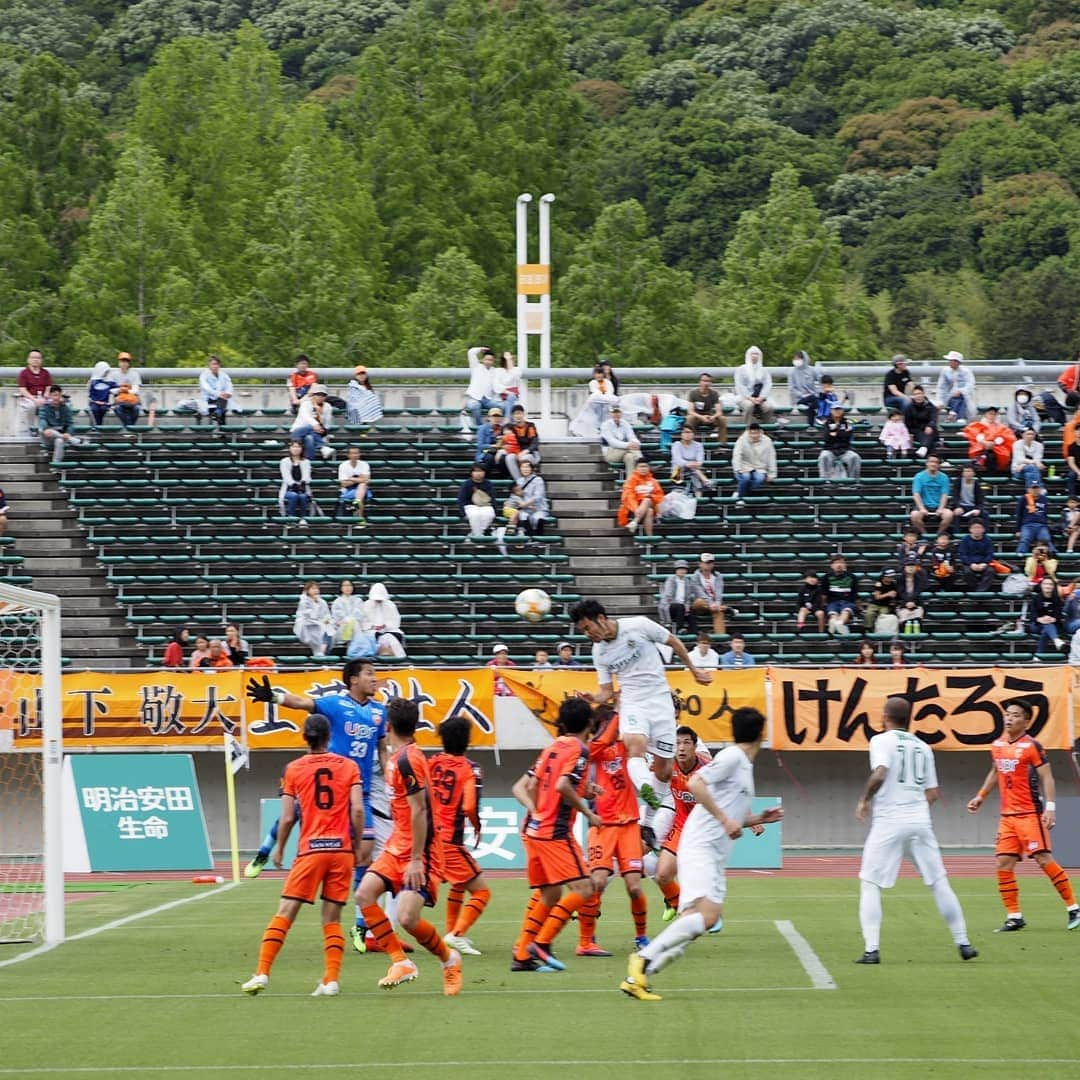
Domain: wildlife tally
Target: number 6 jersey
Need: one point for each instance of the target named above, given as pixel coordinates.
(320, 784)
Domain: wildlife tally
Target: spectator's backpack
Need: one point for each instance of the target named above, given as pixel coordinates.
(1016, 585)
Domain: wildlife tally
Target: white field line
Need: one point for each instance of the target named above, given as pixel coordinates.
(811, 962)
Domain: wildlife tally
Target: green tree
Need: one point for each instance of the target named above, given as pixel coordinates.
(1033, 313)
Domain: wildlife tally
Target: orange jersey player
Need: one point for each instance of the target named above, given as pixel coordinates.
(325, 789)
(410, 865)
(1023, 774)
(553, 794)
(618, 836)
(456, 783)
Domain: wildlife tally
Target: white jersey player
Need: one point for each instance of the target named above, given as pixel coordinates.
(724, 790)
(902, 785)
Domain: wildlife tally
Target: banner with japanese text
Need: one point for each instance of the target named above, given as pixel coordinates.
(951, 709)
(707, 709)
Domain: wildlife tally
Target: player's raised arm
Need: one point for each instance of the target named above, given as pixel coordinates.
(680, 650)
(260, 690)
(980, 795)
(873, 785)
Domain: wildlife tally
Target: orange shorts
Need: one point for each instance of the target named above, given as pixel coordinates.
(331, 869)
(671, 842)
(553, 862)
(1021, 835)
(610, 842)
(391, 868)
(458, 865)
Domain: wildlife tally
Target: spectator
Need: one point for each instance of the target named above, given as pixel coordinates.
(804, 385)
(56, 420)
(641, 498)
(990, 443)
(1070, 522)
(883, 597)
(894, 436)
(1021, 414)
(542, 660)
(910, 551)
(705, 657)
(294, 495)
(897, 655)
(708, 594)
(1045, 611)
(828, 397)
(216, 656)
(313, 625)
(507, 383)
(490, 439)
(533, 510)
(620, 444)
(215, 392)
(126, 406)
(930, 491)
(354, 478)
(968, 500)
(688, 464)
(1040, 564)
(125, 373)
(705, 409)
(609, 373)
(174, 651)
(737, 656)
(753, 460)
(910, 615)
(941, 561)
(99, 391)
(480, 394)
(1070, 613)
(565, 656)
(500, 658)
(911, 585)
(602, 397)
(865, 657)
(199, 653)
(753, 385)
(921, 419)
(838, 459)
(235, 646)
(897, 379)
(347, 614)
(476, 502)
(974, 559)
(34, 382)
(676, 599)
(1027, 458)
(362, 404)
(811, 601)
(1032, 521)
(301, 379)
(956, 388)
(1070, 446)
(314, 419)
(842, 594)
(1069, 382)
(521, 442)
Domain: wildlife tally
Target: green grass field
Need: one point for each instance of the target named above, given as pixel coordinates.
(160, 997)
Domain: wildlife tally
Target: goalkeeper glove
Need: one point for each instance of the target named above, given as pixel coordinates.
(261, 690)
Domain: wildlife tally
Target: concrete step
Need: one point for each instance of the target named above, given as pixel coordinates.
(576, 487)
(58, 565)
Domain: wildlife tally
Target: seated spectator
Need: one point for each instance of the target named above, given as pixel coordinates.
(990, 443)
(490, 438)
(1027, 458)
(753, 384)
(910, 615)
(235, 646)
(1070, 451)
(1070, 522)
(313, 624)
(753, 460)
(294, 495)
(1045, 616)
(897, 655)
(362, 404)
(620, 445)
(941, 562)
(500, 658)
(921, 419)
(602, 397)
(55, 419)
(215, 392)
(688, 464)
(480, 394)
(968, 501)
(382, 618)
(174, 651)
(705, 657)
(838, 459)
(521, 442)
(125, 373)
(1070, 613)
(707, 600)
(347, 614)
(216, 656)
(842, 595)
(811, 601)
(974, 558)
(930, 491)
(1069, 383)
(895, 437)
(829, 397)
(533, 508)
(354, 478)
(476, 502)
(1021, 414)
(508, 383)
(199, 653)
(99, 392)
(641, 498)
(897, 379)
(565, 656)
(865, 657)
(705, 409)
(314, 418)
(910, 551)
(1032, 520)
(737, 656)
(542, 660)
(956, 388)
(911, 584)
(883, 597)
(676, 597)
(301, 379)
(1039, 564)
(34, 382)
(126, 405)
(804, 385)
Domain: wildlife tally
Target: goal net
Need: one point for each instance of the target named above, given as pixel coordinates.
(31, 863)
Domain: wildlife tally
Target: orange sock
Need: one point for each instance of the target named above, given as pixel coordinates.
(429, 937)
(639, 908)
(1060, 880)
(671, 893)
(586, 919)
(272, 940)
(333, 949)
(559, 915)
(473, 910)
(535, 914)
(380, 929)
(453, 906)
(1010, 891)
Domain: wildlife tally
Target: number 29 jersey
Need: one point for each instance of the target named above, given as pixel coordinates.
(321, 785)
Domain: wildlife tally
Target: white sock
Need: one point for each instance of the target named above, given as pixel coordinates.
(663, 791)
(639, 771)
(662, 824)
(870, 915)
(388, 902)
(650, 863)
(950, 910)
(671, 942)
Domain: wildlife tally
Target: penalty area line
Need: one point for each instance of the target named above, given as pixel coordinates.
(811, 962)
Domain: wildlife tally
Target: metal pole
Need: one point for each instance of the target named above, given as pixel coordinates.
(52, 734)
(545, 303)
(523, 201)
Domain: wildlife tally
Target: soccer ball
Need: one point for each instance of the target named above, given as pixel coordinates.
(532, 604)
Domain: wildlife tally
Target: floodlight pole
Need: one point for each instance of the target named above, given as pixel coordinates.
(534, 279)
(522, 231)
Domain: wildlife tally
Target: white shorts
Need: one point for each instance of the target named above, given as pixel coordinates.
(702, 870)
(383, 828)
(887, 844)
(653, 717)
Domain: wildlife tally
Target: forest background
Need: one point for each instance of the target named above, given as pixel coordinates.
(258, 178)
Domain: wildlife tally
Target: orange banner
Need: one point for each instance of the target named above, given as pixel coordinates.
(707, 709)
(952, 709)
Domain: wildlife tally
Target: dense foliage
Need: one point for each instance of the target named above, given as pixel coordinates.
(338, 176)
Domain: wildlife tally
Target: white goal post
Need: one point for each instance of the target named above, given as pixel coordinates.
(31, 832)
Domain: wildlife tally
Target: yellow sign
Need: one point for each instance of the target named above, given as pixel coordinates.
(534, 279)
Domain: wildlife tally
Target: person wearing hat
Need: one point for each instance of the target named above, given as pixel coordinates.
(1032, 519)
(215, 392)
(362, 404)
(677, 596)
(956, 388)
(1027, 458)
(1021, 414)
(125, 373)
(99, 391)
(500, 658)
(490, 439)
(708, 598)
(564, 656)
(990, 443)
(838, 459)
(301, 379)
(619, 444)
(312, 424)
(897, 379)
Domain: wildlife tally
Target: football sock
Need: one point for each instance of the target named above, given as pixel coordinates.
(428, 936)
(559, 915)
(535, 914)
(453, 906)
(358, 876)
(269, 842)
(663, 822)
(472, 911)
(383, 933)
(671, 893)
(639, 908)
(663, 791)
(951, 911)
(388, 902)
(272, 940)
(870, 914)
(639, 771)
(333, 949)
(1060, 880)
(1010, 892)
(672, 942)
(586, 919)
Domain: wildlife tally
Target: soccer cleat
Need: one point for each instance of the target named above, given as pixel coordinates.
(648, 837)
(401, 971)
(255, 867)
(647, 794)
(451, 974)
(1074, 918)
(546, 957)
(255, 984)
(634, 990)
(529, 965)
(1011, 925)
(716, 926)
(326, 989)
(356, 936)
(967, 952)
(590, 948)
(871, 956)
(641, 942)
(462, 944)
(636, 983)
(669, 913)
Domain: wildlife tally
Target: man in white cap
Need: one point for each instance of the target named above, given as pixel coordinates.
(708, 593)
(565, 656)
(312, 424)
(676, 598)
(956, 388)
(500, 658)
